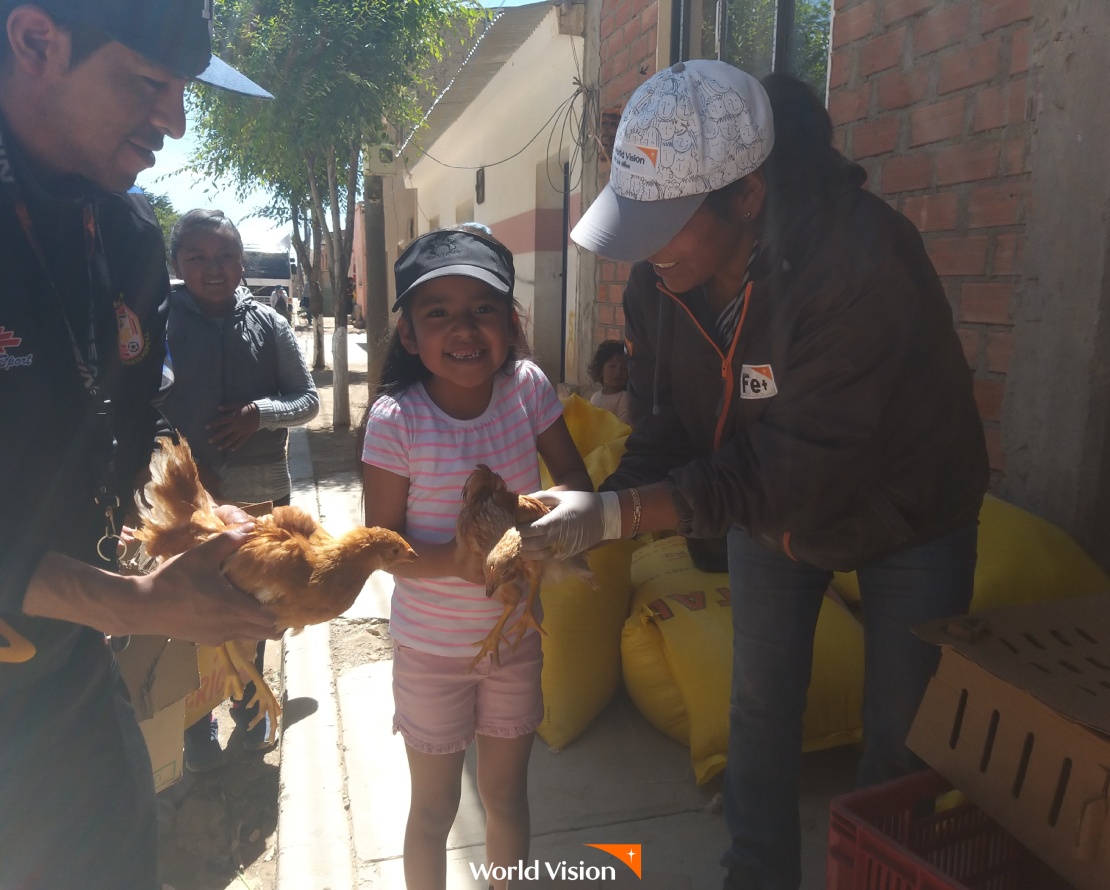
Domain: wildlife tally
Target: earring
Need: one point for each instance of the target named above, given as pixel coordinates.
(747, 215)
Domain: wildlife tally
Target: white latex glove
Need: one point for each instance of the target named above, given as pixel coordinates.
(578, 520)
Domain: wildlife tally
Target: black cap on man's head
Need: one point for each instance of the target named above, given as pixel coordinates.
(176, 34)
(453, 252)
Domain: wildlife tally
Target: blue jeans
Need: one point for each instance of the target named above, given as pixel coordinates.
(775, 604)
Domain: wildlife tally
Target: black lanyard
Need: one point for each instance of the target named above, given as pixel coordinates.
(87, 360)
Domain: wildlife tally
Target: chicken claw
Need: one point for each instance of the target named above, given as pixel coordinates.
(234, 661)
(491, 643)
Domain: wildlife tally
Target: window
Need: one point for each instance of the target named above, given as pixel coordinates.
(761, 36)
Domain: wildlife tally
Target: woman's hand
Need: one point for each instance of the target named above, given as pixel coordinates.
(578, 521)
(236, 424)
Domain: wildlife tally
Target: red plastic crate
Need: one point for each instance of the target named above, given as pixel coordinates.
(910, 834)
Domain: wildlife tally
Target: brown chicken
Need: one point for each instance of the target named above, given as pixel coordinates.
(302, 573)
(487, 526)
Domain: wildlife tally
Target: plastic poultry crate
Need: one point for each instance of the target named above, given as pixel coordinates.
(916, 833)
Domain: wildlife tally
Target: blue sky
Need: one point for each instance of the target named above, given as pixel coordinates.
(186, 192)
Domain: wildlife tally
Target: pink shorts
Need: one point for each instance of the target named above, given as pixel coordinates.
(440, 705)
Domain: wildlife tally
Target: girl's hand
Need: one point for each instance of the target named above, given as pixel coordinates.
(468, 564)
(236, 424)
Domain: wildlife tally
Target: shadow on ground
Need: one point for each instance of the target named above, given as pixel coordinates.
(218, 829)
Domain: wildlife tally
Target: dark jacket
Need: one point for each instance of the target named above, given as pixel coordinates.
(839, 425)
(52, 446)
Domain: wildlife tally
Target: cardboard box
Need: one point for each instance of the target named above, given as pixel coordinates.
(1018, 718)
(159, 674)
(209, 695)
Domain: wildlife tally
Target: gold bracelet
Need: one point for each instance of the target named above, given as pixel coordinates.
(637, 512)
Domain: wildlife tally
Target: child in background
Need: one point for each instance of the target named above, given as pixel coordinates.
(240, 383)
(455, 392)
(610, 368)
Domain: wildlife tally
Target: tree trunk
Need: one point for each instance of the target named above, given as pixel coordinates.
(310, 270)
(377, 291)
(341, 396)
(317, 298)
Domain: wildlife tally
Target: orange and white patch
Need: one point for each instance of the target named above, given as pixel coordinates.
(757, 382)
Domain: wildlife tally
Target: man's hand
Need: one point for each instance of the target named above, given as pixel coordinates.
(234, 426)
(187, 597)
(578, 521)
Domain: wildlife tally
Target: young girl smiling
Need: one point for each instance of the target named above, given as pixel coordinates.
(455, 393)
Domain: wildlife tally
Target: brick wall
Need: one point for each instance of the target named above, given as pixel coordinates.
(628, 45)
(931, 97)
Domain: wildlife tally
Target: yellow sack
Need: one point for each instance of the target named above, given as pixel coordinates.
(598, 435)
(1022, 559)
(676, 651)
(581, 652)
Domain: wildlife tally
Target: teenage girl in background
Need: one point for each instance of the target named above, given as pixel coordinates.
(455, 393)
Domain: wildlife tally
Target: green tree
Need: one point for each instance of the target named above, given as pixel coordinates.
(338, 69)
(167, 216)
(749, 38)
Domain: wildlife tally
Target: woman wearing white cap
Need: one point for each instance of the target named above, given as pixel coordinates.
(798, 386)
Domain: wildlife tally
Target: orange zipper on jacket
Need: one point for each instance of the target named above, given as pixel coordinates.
(726, 360)
(726, 376)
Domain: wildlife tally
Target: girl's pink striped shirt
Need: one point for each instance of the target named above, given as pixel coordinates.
(410, 436)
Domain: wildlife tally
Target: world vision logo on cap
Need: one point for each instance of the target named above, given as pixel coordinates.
(635, 159)
(629, 854)
(757, 382)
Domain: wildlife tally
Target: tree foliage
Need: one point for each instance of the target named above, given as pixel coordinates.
(337, 69)
(167, 216)
(749, 38)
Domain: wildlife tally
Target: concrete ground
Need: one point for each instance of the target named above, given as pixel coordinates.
(344, 778)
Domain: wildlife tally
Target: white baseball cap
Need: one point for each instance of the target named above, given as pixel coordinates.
(687, 131)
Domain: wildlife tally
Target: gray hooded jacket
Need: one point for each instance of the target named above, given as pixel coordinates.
(251, 355)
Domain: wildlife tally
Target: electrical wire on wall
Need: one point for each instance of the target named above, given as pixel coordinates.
(563, 108)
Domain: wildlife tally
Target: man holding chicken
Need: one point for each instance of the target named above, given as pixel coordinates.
(88, 92)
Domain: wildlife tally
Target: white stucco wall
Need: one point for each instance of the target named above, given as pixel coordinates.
(516, 105)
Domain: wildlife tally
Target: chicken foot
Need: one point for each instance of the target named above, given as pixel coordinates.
(234, 661)
(490, 644)
(526, 620)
